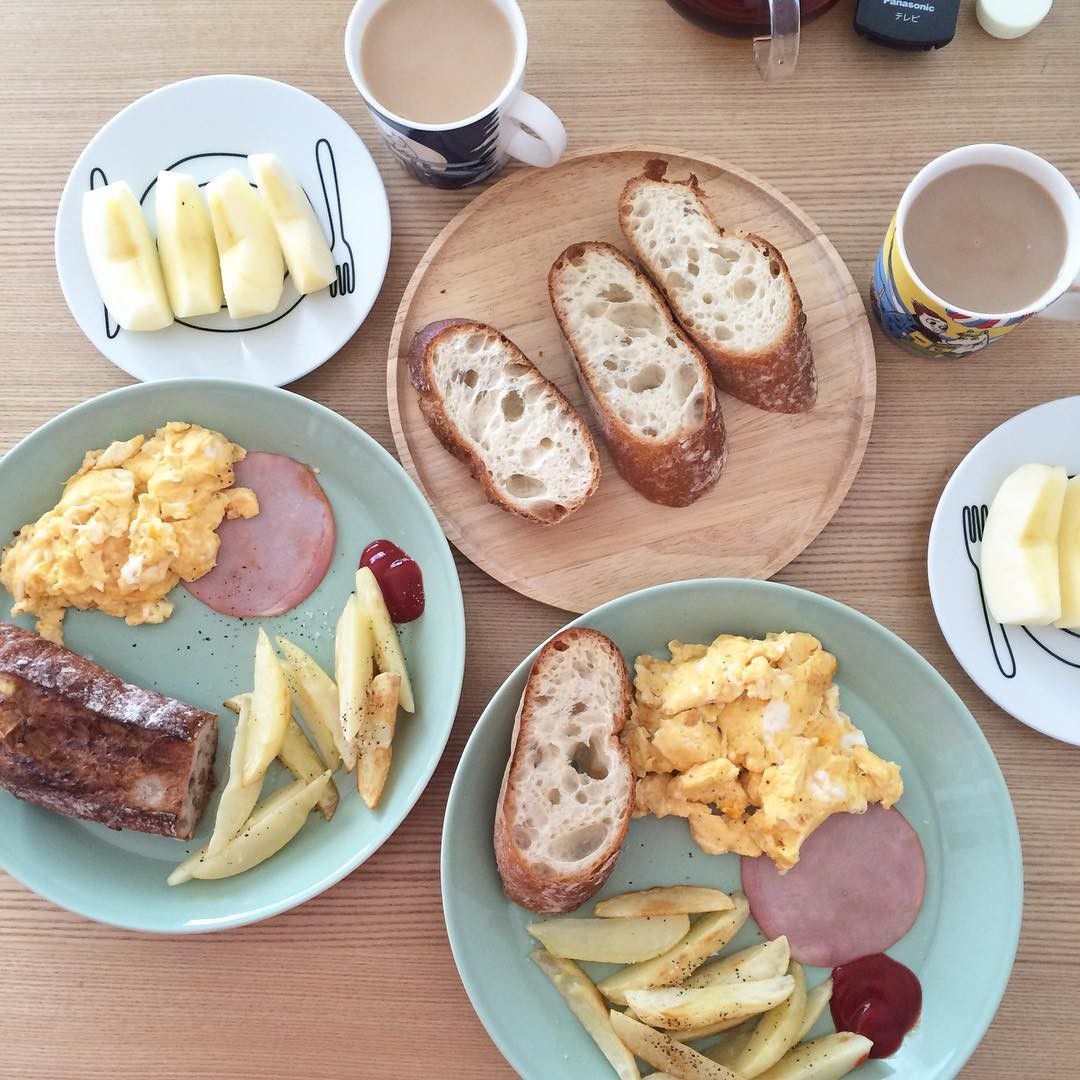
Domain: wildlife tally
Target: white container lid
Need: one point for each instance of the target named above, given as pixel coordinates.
(1011, 18)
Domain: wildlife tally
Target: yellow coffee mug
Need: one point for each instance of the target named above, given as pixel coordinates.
(928, 324)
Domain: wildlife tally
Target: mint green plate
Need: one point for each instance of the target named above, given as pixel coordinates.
(203, 657)
(962, 945)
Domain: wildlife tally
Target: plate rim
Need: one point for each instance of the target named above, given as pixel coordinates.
(296, 897)
(935, 557)
(450, 901)
(479, 204)
(67, 193)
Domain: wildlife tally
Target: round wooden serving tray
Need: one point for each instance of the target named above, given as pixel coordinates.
(785, 475)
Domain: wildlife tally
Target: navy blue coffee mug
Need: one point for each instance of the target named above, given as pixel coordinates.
(465, 151)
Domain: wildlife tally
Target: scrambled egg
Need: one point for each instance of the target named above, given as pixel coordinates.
(746, 740)
(138, 517)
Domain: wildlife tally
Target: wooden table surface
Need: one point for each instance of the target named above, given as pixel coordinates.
(360, 981)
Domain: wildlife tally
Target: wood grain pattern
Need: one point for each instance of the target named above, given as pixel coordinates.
(359, 984)
(785, 475)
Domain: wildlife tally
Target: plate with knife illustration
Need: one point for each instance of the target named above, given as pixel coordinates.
(1031, 671)
(271, 331)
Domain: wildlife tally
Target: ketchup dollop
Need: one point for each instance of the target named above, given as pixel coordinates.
(876, 997)
(399, 578)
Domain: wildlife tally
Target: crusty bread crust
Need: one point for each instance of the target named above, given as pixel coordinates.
(672, 472)
(523, 882)
(779, 378)
(446, 431)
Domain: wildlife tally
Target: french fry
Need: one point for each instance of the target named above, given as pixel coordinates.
(374, 742)
(708, 935)
(354, 661)
(677, 1008)
(237, 798)
(274, 822)
(775, 1033)
(388, 652)
(668, 900)
(827, 1058)
(764, 961)
(270, 712)
(816, 1000)
(611, 941)
(299, 757)
(663, 1052)
(316, 698)
(588, 1006)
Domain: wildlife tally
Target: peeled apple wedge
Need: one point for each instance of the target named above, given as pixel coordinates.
(252, 268)
(307, 254)
(124, 258)
(1069, 557)
(1019, 558)
(189, 255)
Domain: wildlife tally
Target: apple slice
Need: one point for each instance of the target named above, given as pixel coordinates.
(1020, 547)
(1069, 557)
(124, 259)
(252, 268)
(307, 254)
(189, 256)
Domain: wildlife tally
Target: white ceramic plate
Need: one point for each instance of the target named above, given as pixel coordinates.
(1032, 673)
(205, 126)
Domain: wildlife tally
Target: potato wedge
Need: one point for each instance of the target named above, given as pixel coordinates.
(315, 695)
(816, 1001)
(376, 736)
(588, 1006)
(764, 961)
(273, 824)
(388, 652)
(270, 712)
(354, 663)
(708, 935)
(237, 798)
(611, 941)
(827, 1058)
(677, 1008)
(663, 1052)
(775, 1033)
(667, 900)
(703, 1032)
(299, 757)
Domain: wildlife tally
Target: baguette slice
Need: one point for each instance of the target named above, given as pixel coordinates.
(731, 291)
(646, 381)
(566, 797)
(490, 406)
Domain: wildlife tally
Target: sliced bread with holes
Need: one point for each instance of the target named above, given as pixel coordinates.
(646, 381)
(731, 291)
(568, 791)
(490, 406)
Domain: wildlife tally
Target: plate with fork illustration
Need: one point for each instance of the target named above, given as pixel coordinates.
(1033, 673)
(203, 127)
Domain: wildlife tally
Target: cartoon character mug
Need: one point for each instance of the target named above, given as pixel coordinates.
(929, 325)
(463, 152)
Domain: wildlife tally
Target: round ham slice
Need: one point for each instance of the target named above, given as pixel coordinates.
(856, 889)
(268, 564)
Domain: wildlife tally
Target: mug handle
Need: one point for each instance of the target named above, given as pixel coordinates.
(775, 56)
(1067, 306)
(544, 148)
